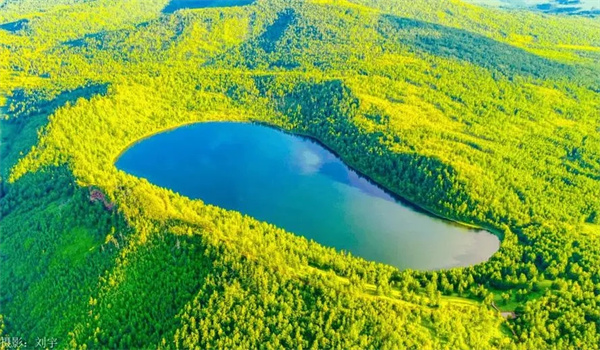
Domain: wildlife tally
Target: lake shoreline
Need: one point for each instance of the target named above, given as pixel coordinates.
(402, 199)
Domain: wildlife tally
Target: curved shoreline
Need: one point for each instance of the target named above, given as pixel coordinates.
(404, 200)
(171, 128)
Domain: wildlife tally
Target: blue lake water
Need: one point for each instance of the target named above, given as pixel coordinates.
(568, 7)
(175, 5)
(295, 183)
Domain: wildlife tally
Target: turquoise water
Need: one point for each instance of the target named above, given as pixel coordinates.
(175, 5)
(568, 7)
(298, 185)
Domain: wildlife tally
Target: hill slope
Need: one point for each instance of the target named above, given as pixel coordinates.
(482, 116)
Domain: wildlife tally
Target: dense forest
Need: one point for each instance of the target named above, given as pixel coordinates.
(484, 116)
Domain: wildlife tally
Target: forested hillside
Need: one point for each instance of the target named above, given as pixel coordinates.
(482, 116)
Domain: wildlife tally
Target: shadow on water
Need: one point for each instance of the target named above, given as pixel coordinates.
(175, 5)
(361, 180)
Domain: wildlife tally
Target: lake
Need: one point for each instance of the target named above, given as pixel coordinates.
(175, 5)
(569, 7)
(297, 184)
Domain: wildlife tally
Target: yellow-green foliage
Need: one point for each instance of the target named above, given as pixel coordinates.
(479, 115)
